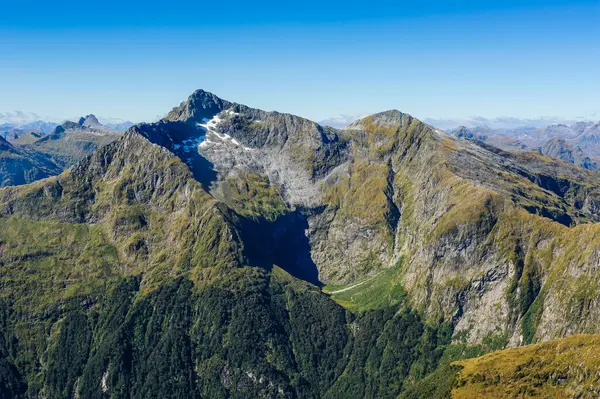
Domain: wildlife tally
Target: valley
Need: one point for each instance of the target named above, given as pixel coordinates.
(228, 252)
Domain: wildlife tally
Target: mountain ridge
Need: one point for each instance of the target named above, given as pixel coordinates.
(201, 242)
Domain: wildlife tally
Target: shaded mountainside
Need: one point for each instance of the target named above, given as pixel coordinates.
(171, 261)
(20, 166)
(560, 148)
(33, 156)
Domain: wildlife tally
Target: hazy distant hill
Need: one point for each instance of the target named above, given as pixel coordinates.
(578, 143)
(20, 166)
(70, 141)
(35, 155)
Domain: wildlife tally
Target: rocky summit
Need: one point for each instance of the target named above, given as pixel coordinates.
(229, 252)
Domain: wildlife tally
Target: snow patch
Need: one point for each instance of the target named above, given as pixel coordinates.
(209, 126)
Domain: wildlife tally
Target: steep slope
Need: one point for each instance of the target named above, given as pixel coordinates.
(477, 250)
(474, 224)
(123, 277)
(562, 368)
(559, 148)
(169, 262)
(20, 166)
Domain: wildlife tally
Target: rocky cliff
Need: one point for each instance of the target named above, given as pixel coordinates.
(227, 251)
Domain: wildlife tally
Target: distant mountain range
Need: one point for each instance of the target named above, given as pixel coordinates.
(30, 153)
(503, 122)
(17, 124)
(578, 143)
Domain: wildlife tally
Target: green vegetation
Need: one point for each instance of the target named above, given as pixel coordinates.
(562, 368)
(70, 147)
(251, 195)
(382, 290)
(44, 263)
(247, 333)
(436, 385)
(123, 277)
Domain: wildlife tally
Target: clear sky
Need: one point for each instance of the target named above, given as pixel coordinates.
(443, 59)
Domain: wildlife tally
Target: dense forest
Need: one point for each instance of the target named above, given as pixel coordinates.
(261, 334)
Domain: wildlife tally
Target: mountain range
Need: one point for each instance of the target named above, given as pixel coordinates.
(35, 155)
(578, 143)
(15, 125)
(226, 251)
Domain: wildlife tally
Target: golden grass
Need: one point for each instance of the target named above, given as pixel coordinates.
(562, 368)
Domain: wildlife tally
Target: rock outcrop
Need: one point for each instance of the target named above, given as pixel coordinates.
(203, 225)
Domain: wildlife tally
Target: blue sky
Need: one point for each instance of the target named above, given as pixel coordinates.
(440, 59)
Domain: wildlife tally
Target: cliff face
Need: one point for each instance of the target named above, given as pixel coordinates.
(206, 222)
(488, 238)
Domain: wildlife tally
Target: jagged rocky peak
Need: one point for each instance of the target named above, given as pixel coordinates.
(90, 121)
(200, 105)
(67, 125)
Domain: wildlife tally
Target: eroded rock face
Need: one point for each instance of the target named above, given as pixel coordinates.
(388, 187)
(501, 245)
(184, 242)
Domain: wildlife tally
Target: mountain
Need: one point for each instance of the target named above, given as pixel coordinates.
(226, 251)
(90, 121)
(33, 156)
(560, 148)
(19, 166)
(118, 126)
(14, 126)
(70, 141)
(578, 144)
(503, 123)
(12, 132)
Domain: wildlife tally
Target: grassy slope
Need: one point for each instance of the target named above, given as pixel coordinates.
(376, 292)
(562, 368)
(71, 146)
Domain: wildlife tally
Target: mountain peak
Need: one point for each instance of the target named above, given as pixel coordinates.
(388, 118)
(201, 104)
(91, 120)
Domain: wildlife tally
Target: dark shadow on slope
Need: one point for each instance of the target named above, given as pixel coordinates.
(182, 139)
(282, 243)
(202, 169)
